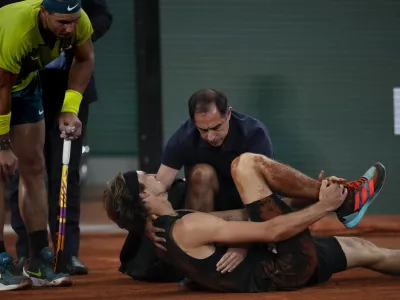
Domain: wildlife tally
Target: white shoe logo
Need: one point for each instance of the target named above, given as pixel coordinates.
(71, 8)
(41, 112)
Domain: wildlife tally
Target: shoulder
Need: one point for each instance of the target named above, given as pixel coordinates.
(185, 133)
(249, 126)
(84, 29)
(83, 24)
(194, 221)
(195, 229)
(16, 23)
(84, 19)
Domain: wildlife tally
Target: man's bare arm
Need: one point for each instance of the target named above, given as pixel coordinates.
(166, 176)
(227, 215)
(7, 80)
(232, 215)
(202, 228)
(82, 67)
(275, 230)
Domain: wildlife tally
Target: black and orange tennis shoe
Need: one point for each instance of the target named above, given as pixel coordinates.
(361, 194)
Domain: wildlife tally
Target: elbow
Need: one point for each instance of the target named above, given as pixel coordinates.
(276, 234)
(88, 61)
(273, 237)
(90, 58)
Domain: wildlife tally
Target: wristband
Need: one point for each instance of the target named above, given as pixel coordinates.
(5, 123)
(72, 101)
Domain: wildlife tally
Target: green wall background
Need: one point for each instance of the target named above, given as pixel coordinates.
(319, 74)
(112, 121)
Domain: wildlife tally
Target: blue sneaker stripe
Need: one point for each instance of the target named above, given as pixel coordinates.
(370, 173)
(360, 203)
(368, 190)
(355, 218)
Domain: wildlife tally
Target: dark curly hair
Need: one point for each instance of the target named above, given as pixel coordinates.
(122, 203)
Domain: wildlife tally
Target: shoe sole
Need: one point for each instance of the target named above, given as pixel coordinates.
(26, 284)
(354, 222)
(39, 282)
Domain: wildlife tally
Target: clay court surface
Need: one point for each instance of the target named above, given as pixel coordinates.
(100, 251)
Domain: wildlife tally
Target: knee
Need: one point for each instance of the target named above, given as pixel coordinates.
(202, 175)
(32, 165)
(245, 163)
(360, 252)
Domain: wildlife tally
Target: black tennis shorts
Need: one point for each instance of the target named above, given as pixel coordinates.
(302, 260)
(331, 259)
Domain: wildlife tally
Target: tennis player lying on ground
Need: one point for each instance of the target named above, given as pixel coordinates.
(193, 239)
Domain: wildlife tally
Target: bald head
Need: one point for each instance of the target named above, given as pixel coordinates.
(205, 99)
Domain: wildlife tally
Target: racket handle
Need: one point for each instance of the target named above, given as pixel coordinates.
(66, 152)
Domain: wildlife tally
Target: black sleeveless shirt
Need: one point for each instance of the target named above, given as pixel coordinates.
(249, 276)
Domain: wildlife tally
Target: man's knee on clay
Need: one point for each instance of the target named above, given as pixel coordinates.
(200, 196)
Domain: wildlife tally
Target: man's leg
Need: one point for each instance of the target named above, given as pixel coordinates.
(364, 254)
(285, 180)
(256, 177)
(296, 258)
(10, 277)
(54, 83)
(27, 139)
(74, 189)
(17, 223)
(338, 254)
(202, 187)
(2, 218)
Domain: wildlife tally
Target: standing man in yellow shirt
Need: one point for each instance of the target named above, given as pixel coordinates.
(32, 34)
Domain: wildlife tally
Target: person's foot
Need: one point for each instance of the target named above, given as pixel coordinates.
(41, 271)
(76, 267)
(10, 277)
(361, 193)
(20, 264)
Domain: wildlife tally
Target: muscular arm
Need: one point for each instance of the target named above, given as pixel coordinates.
(202, 229)
(82, 67)
(7, 80)
(272, 231)
(166, 176)
(231, 215)
(227, 215)
(173, 157)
